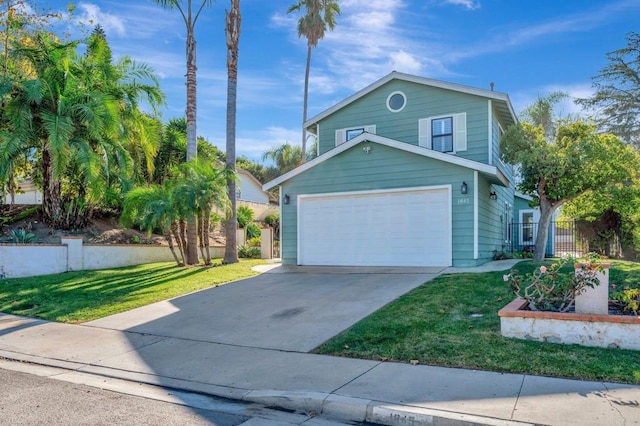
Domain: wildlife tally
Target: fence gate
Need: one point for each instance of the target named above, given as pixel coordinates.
(563, 238)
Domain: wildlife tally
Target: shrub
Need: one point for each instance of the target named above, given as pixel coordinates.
(253, 231)
(553, 288)
(20, 236)
(255, 242)
(247, 252)
(629, 299)
(244, 215)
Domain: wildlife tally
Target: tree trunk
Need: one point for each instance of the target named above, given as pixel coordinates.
(233, 20)
(202, 234)
(305, 104)
(546, 213)
(206, 225)
(51, 203)
(175, 230)
(173, 251)
(192, 143)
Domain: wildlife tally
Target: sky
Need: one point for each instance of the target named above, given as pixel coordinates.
(528, 48)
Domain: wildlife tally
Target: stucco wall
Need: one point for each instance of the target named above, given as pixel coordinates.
(31, 260)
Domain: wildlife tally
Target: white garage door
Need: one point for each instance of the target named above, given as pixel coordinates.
(409, 227)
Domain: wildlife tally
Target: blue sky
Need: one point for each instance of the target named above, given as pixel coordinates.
(527, 47)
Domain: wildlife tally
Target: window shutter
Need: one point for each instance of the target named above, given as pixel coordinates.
(341, 136)
(424, 133)
(460, 132)
(370, 129)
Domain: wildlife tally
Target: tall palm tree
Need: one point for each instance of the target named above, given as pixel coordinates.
(319, 15)
(285, 157)
(233, 20)
(190, 19)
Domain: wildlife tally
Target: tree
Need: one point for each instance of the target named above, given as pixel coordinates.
(285, 157)
(190, 19)
(616, 102)
(319, 15)
(542, 112)
(233, 20)
(554, 172)
(73, 115)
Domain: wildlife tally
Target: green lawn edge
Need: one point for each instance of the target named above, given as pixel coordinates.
(76, 297)
(452, 321)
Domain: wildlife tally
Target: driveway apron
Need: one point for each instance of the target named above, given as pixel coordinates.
(294, 310)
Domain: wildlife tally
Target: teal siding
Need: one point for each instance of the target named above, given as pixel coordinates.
(382, 168)
(506, 169)
(422, 102)
(494, 218)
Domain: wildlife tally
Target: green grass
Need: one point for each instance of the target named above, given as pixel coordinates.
(437, 324)
(76, 297)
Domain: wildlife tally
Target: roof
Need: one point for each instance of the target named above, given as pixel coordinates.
(490, 171)
(503, 103)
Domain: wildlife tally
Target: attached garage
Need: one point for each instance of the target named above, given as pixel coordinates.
(400, 227)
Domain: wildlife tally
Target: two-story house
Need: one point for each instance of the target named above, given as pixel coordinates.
(408, 173)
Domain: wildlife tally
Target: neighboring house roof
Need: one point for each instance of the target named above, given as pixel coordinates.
(486, 169)
(523, 196)
(254, 192)
(503, 104)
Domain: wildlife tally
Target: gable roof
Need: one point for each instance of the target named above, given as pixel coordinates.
(502, 104)
(485, 169)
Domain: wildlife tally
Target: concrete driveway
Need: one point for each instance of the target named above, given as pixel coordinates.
(291, 309)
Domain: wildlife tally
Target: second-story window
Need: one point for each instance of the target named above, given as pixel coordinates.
(352, 133)
(442, 134)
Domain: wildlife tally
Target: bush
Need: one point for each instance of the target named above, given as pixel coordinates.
(255, 242)
(244, 215)
(20, 236)
(273, 220)
(247, 252)
(253, 231)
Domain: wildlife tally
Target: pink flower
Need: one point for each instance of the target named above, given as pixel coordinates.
(506, 277)
(543, 269)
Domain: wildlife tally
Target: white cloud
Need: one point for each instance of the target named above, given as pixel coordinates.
(92, 15)
(522, 99)
(469, 4)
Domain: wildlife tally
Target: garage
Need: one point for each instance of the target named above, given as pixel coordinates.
(402, 227)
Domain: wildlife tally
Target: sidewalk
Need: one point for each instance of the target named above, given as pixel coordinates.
(340, 388)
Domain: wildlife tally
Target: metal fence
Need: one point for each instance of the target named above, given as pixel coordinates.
(564, 238)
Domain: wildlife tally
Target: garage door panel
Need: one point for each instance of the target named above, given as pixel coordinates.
(399, 228)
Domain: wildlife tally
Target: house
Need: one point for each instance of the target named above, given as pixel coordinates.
(408, 173)
(27, 193)
(249, 193)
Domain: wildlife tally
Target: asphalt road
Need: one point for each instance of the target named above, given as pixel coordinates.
(40, 399)
(27, 399)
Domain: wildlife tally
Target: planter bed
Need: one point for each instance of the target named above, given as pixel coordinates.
(605, 331)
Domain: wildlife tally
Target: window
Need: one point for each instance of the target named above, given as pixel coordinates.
(396, 101)
(442, 134)
(352, 133)
(527, 227)
(343, 135)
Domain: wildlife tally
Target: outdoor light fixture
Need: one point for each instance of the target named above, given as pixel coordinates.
(286, 199)
(463, 188)
(493, 195)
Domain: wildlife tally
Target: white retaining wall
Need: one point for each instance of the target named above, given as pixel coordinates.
(28, 260)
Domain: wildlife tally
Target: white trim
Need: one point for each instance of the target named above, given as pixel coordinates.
(476, 217)
(394, 75)
(374, 192)
(392, 143)
(397, 92)
(523, 196)
(318, 140)
(280, 189)
(521, 225)
(490, 131)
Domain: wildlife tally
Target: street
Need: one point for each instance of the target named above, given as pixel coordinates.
(29, 399)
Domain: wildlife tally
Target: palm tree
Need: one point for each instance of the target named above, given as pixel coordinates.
(319, 14)
(190, 19)
(152, 208)
(285, 157)
(233, 20)
(76, 114)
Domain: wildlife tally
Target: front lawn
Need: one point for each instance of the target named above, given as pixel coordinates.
(81, 296)
(453, 321)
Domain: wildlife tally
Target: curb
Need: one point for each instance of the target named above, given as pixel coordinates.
(330, 405)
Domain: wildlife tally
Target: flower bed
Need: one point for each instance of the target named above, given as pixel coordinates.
(607, 331)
